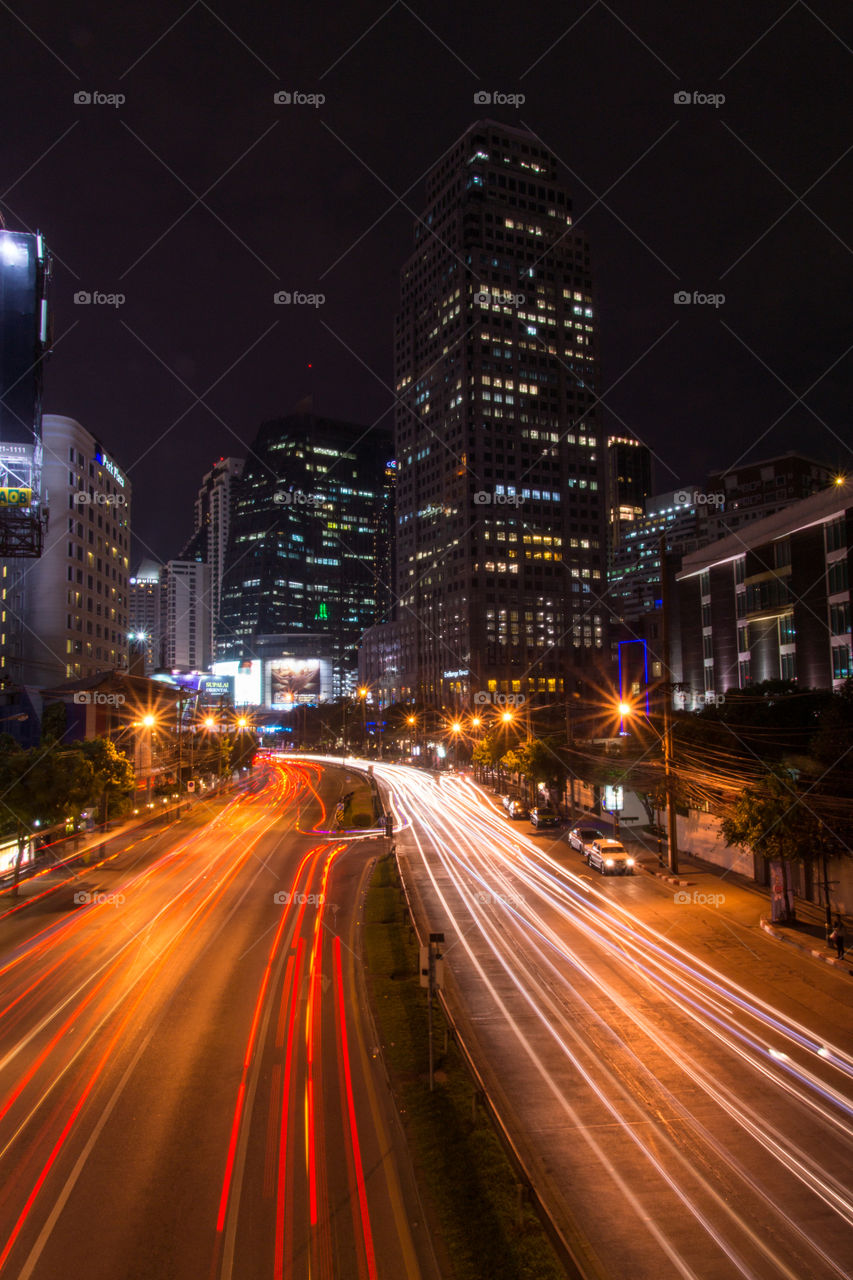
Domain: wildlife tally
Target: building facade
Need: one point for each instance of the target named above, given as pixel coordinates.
(146, 614)
(209, 542)
(771, 602)
(68, 615)
(308, 550)
(186, 599)
(500, 520)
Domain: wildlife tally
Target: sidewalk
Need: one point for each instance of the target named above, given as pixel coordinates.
(807, 934)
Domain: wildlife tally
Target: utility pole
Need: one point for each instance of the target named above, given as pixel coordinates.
(432, 975)
(668, 768)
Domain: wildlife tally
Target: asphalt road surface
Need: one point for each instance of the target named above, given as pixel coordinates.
(681, 1086)
(189, 1085)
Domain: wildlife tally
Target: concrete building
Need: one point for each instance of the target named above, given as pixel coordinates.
(146, 613)
(309, 545)
(629, 486)
(772, 601)
(209, 542)
(66, 613)
(500, 450)
(754, 490)
(186, 599)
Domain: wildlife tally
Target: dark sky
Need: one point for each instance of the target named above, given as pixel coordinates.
(198, 198)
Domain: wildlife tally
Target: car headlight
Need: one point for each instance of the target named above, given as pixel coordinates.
(608, 862)
(630, 862)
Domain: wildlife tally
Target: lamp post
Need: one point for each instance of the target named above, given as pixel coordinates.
(665, 739)
(362, 693)
(456, 729)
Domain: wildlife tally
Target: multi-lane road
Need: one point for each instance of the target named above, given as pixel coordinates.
(189, 1082)
(680, 1085)
(190, 1085)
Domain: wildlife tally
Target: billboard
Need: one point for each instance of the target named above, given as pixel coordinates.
(294, 680)
(246, 677)
(213, 689)
(23, 335)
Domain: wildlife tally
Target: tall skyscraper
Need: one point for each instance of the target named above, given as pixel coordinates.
(499, 444)
(187, 624)
(629, 484)
(213, 508)
(308, 549)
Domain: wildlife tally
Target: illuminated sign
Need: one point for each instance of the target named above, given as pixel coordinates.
(109, 466)
(10, 497)
(612, 799)
(213, 688)
(293, 680)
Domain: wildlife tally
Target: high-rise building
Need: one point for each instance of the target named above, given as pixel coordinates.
(24, 342)
(186, 633)
(67, 615)
(629, 485)
(308, 551)
(499, 444)
(146, 614)
(209, 541)
(753, 490)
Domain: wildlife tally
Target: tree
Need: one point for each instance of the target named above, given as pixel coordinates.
(43, 785)
(113, 776)
(770, 819)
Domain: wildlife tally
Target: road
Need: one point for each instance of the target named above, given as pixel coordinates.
(681, 1086)
(189, 1084)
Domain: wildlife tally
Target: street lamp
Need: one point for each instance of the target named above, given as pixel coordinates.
(625, 709)
(456, 729)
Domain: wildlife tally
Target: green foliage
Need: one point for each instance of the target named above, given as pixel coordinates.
(770, 820)
(54, 722)
(113, 777)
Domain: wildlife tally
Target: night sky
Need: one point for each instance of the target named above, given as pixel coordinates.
(199, 198)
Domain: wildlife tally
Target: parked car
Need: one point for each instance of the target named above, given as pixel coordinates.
(542, 816)
(580, 837)
(611, 858)
(515, 809)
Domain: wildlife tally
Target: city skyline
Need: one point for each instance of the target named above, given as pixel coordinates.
(673, 195)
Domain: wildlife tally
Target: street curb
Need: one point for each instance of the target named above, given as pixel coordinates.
(662, 875)
(843, 966)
